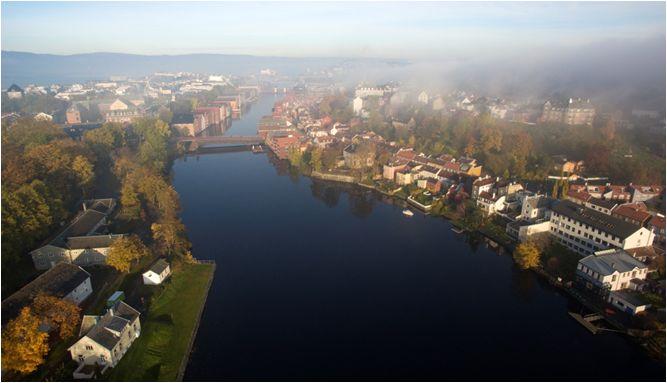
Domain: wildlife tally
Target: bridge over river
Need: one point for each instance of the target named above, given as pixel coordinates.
(238, 140)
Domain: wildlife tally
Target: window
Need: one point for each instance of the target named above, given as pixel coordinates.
(81, 358)
(613, 278)
(89, 347)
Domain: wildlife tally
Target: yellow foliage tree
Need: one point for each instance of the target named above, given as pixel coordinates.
(57, 313)
(124, 251)
(23, 345)
(527, 255)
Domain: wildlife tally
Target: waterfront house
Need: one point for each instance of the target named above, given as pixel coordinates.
(157, 273)
(404, 176)
(389, 170)
(628, 301)
(611, 270)
(586, 230)
(107, 338)
(482, 185)
(65, 281)
(80, 241)
(490, 203)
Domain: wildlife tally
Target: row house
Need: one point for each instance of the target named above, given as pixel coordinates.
(586, 230)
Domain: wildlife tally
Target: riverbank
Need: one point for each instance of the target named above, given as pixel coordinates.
(168, 328)
(494, 232)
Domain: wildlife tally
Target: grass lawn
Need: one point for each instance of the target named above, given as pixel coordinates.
(166, 331)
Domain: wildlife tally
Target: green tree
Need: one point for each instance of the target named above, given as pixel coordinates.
(316, 159)
(294, 156)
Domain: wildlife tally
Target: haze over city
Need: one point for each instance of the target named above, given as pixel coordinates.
(308, 191)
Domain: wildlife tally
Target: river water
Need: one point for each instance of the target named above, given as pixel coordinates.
(317, 280)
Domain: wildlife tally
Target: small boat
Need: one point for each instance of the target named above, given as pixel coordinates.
(457, 230)
(408, 213)
(257, 149)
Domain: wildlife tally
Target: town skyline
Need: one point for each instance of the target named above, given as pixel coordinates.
(423, 31)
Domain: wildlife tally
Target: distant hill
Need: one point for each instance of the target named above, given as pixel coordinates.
(24, 68)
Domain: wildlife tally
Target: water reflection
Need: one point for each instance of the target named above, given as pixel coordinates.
(326, 192)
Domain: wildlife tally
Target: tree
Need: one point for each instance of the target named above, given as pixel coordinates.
(84, 171)
(124, 251)
(58, 314)
(170, 235)
(316, 159)
(527, 255)
(294, 156)
(23, 345)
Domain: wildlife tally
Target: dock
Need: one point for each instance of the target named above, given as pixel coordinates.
(587, 320)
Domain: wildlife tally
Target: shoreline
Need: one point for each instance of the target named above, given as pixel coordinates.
(540, 272)
(193, 336)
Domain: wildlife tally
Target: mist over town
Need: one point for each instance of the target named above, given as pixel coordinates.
(333, 191)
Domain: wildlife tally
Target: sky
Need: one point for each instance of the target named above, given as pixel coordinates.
(302, 29)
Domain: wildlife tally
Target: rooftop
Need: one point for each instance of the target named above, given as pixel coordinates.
(606, 262)
(58, 281)
(159, 266)
(612, 225)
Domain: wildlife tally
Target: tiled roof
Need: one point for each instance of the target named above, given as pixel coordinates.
(92, 241)
(608, 224)
(58, 281)
(631, 212)
(605, 203)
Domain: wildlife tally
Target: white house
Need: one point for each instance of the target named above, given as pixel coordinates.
(107, 338)
(423, 97)
(586, 230)
(65, 281)
(357, 105)
(157, 273)
(490, 203)
(611, 270)
(79, 242)
(627, 301)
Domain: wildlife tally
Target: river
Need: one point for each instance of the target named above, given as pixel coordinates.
(317, 280)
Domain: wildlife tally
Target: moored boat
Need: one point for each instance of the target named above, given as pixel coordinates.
(408, 213)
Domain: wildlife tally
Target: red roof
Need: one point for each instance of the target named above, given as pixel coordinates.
(580, 195)
(632, 213)
(657, 221)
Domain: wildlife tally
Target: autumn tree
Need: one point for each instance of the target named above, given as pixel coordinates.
(527, 255)
(24, 346)
(124, 251)
(170, 235)
(316, 159)
(59, 314)
(84, 172)
(294, 156)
